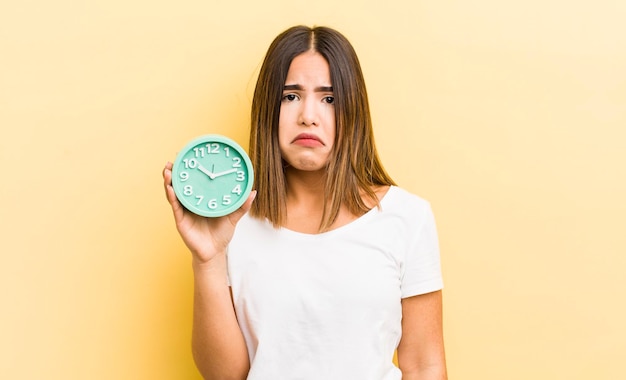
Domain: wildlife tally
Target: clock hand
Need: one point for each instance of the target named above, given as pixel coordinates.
(205, 171)
(224, 173)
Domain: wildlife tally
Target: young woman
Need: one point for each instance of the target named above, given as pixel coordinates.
(330, 268)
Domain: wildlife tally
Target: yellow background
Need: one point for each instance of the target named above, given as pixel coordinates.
(508, 116)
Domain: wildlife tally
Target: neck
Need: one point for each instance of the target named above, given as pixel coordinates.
(305, 187)
(305, 200)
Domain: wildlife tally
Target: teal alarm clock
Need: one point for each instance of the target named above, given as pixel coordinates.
(212, 176)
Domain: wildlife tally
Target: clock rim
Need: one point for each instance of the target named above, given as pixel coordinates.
(223, 140)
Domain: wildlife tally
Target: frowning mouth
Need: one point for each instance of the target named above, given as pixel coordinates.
(307, 139)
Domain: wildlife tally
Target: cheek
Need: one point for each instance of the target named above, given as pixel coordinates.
(282, 130)
(332, 131)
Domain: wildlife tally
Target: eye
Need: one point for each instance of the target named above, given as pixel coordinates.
(290, 97)
(329, 99)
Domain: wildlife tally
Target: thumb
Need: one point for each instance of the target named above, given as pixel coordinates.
(237, 215)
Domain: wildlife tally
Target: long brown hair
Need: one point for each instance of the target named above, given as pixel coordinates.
(354, 167)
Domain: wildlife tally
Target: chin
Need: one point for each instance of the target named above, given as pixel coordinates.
(307, 165)
(307, 162)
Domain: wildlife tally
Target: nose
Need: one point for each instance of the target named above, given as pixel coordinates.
(308, 113)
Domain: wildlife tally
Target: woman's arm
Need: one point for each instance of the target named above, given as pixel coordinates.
(218, 346)
(421, 353)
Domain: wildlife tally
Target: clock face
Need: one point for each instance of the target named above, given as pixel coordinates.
(212, 176)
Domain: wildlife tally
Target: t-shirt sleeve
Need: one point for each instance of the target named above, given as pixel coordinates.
(422, 265)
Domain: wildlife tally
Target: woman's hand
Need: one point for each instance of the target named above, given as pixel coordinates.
(205, 237)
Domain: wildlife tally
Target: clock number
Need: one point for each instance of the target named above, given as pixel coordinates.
(226, 200)
(227, 150)
(237, 163)
(183, 176)
(199, 151)
(212, 204)
(188, 190)
(241, 176)
(199, 198)
(236, 190)
(213, 148)
(190, 163)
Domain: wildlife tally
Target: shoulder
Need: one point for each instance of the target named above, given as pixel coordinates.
(402, 201)
(250, 226)
(407, 212)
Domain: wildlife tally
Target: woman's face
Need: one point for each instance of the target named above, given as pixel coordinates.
(306, 126)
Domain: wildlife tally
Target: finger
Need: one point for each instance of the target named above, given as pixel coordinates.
(177, 208)
(248, 203)
(168, 169)
(167, 174)
(167, 180)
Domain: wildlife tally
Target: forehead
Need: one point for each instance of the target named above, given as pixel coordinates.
(309, 67)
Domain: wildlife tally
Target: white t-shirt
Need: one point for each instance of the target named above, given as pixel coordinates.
(327, 306)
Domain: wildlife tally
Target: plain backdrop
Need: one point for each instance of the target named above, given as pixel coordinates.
(509, 117)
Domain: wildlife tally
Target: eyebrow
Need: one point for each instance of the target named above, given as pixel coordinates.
(291, 87)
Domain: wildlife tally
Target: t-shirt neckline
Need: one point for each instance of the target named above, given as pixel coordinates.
(342, 229)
